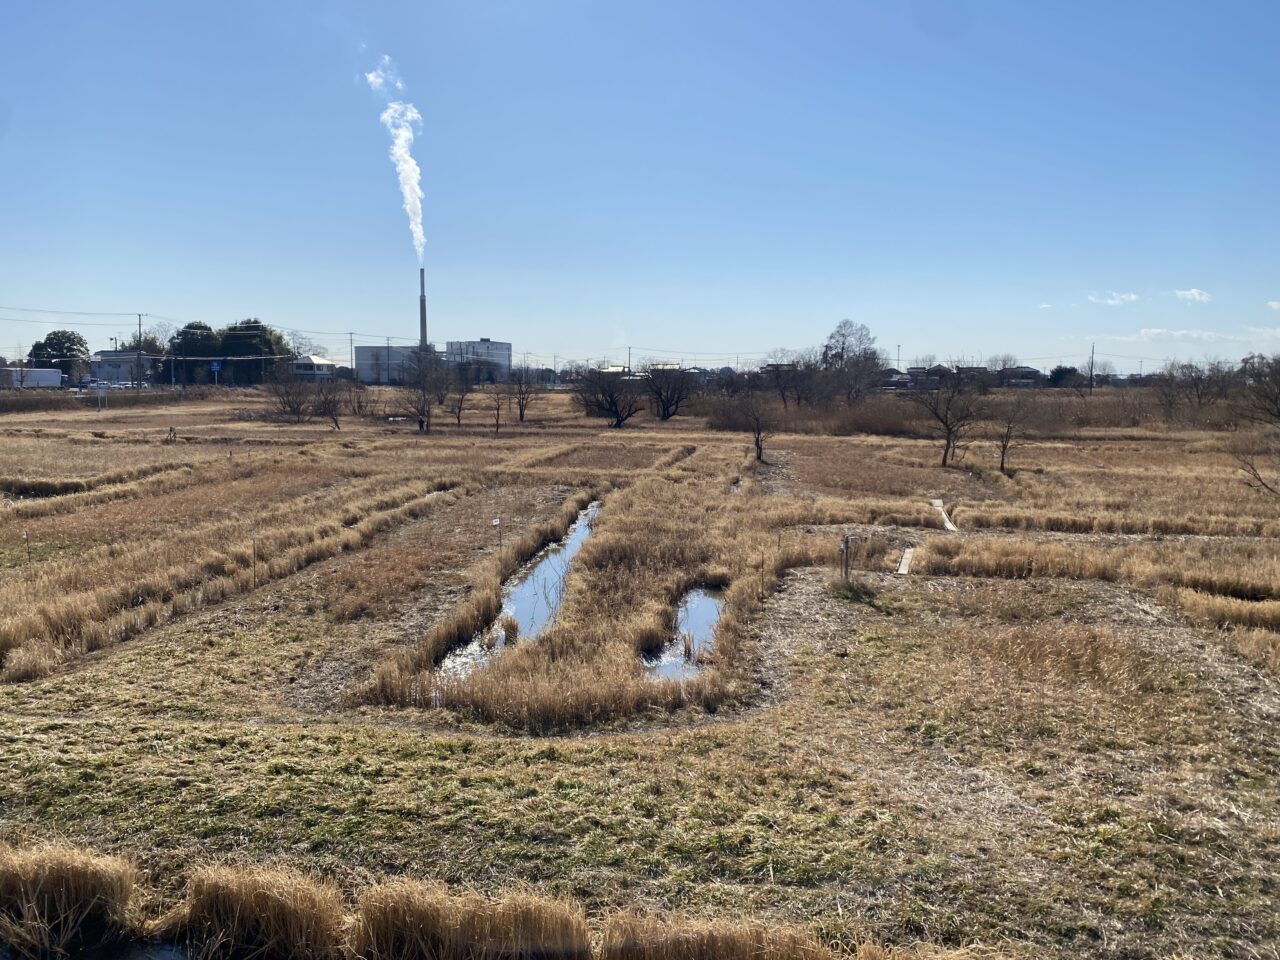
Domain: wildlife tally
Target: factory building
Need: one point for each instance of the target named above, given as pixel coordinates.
(494, 353)
(387, 365)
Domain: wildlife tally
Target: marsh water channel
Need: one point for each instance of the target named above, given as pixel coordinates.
(696, 619)
(531, 597)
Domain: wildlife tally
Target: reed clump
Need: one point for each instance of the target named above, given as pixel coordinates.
(1228, 611)
(61, 901)
(57, 901)
(271, 913)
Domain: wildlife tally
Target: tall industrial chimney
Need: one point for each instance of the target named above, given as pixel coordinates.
(422, 308)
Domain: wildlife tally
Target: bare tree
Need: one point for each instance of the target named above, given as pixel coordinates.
(524, 386)
(291, 396)
(417, 395)
(1010, 427)
(1260, 397)
(1260, 402)
(611, 395)
(669, 387)
(327, 400)
(750, 406)
(497, 398)
(954, 408)
(461, 385)
(781, 368)
(1001, 361)
(850, 359)
(358, 400)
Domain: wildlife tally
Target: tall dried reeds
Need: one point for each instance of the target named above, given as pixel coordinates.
(57, 901)
(411, 920)
(270, 913)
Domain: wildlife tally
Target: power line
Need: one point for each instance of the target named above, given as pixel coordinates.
(72, 313)
(78, 323)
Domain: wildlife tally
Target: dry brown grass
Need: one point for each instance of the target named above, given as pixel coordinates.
(1260, 646)
(93, 600)
(1013, 559)
(1073, 653)
(636, 936)
(406, 920)
(57, 901)
(275, 914)
(1227, 584)
(1228, 611)
(43, 487)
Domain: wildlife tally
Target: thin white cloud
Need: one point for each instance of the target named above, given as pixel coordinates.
(1148, 334)
(1274, 304)
(1046, 306)
(1194, 295)
(384, 75)
(1113, 299)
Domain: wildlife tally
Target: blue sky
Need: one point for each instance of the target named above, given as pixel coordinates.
(711, 178)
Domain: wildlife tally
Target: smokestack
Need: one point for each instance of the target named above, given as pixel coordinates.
(422, 308)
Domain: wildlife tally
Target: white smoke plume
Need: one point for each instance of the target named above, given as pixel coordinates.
(384, 75)
(402, 121)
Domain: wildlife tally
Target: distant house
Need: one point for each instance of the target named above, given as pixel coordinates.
(311, 367)
(1020, 376)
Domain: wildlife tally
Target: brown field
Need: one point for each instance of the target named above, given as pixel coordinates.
(1057, 736)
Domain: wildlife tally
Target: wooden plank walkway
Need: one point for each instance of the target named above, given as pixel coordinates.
(946, 521)
(904, 566)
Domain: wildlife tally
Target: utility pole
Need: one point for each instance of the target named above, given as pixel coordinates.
(899, 361)
(351, 343)
(137, 381)
(388, 360)
(1091, 349)
(628, 359)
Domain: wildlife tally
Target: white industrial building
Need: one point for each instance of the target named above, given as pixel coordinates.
(395, 365)
(116, 366)
(386, 364)
(493, 352)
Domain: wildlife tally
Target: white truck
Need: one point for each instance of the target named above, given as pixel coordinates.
(28, 379)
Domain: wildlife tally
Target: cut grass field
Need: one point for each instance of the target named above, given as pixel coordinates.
(1044, 742)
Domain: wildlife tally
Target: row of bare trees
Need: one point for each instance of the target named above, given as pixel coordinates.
(428, 385)
(617, 396)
